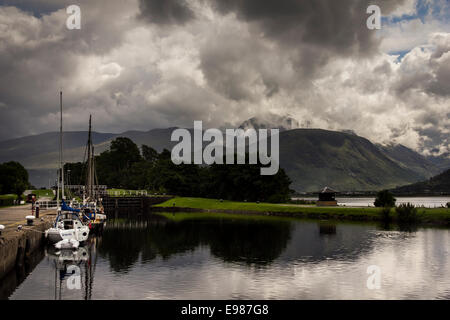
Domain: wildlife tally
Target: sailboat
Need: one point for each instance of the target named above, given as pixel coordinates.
(92, 207)
(68, 230)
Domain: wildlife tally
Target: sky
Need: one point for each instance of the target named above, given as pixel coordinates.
(144, 64)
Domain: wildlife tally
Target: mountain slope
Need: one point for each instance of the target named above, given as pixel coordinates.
(436, 184)
(314, 158)
(442, 161)
(41, 151)
(409, 159)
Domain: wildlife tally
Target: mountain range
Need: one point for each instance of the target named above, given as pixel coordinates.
(313, 158)
(439, 184)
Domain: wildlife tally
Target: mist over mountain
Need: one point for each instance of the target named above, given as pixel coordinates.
(270, 121)
(312, 158)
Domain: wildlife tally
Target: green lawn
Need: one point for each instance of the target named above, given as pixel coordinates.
(203, 203)
(43, 193)
(366, 213)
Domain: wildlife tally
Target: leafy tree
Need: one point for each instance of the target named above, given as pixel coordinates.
(113, 166)
(122, 166)
(149, 154)
(124, 153)
(13, 178)
(76, 172)
(384, 199)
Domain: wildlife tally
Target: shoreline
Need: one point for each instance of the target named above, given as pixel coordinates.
(426, 216)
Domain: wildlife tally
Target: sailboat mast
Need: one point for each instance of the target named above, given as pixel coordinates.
(61, 166)
(93, 174)
(90, 177)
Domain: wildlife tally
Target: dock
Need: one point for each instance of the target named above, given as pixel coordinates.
(18, 240)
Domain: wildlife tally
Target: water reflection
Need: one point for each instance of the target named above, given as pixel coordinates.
(9, 283)
(243, 241)
(67, 265)
(246, 258)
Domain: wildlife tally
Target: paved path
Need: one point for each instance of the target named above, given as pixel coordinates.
(12, 216)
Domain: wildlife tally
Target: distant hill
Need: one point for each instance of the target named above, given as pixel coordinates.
(409, 159)
(312, 158)
(442, 161)
(436, 185)
(40, 153)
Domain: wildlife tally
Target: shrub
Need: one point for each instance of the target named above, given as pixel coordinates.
(406, 212)
(448, 205)
(384, 199)
(384, 214)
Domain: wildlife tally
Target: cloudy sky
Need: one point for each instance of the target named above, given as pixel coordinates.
(143, 64)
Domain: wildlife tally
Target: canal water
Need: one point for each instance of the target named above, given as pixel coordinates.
(230, 257)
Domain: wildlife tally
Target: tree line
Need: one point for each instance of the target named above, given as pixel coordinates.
(13, 178)
(127, 166)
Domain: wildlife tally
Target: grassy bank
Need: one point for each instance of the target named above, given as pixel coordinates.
(425, 215)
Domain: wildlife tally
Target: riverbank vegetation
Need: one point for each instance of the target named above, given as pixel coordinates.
(13, 179)
(125, 166)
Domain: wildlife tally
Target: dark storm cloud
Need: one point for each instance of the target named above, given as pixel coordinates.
(339, 26)
(306, 34)
(39, 57)
(165, 11)
(143, 64)
(38, 7)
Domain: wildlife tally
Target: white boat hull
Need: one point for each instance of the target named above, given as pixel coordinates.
(55, 235)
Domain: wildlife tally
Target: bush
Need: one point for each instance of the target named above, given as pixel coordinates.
(384, 199)
(384, 214)
(7, 200)
(406, 212)
(448, 205)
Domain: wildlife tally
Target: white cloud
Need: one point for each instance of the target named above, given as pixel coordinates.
(220, 69)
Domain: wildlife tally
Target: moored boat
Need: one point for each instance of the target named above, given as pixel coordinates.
(92, 208)
(68, 229)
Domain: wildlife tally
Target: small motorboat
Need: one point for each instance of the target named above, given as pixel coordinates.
(68, 226)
